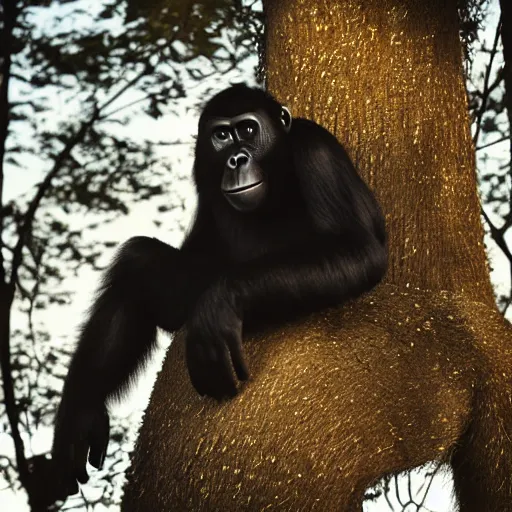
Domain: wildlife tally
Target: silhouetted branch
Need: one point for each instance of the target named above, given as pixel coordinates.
(29, 216)
(493, 143)
(487, 87)
(498, 235)
(431, 479)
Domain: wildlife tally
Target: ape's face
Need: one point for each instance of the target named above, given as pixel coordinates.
(240, 147)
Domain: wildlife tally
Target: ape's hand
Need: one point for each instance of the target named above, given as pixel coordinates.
(81, 429)
(214, 344)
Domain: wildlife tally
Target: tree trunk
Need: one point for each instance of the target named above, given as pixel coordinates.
(419, 370)
(386, 77)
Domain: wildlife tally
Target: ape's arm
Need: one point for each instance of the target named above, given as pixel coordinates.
(149, 284)
(323, 272)
(146, 285)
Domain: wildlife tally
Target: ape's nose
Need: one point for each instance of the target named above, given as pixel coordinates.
(236, 161)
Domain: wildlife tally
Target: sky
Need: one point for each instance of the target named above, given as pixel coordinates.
(140, 222)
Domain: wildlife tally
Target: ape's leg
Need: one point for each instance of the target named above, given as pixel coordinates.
(148, 284)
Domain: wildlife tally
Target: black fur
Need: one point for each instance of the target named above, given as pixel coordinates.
(318, 239)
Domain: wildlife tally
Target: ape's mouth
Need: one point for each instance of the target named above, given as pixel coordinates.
(244, 188)
(247, 197)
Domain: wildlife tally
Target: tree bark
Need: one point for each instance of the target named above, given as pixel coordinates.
(417, 371)
(386, 77)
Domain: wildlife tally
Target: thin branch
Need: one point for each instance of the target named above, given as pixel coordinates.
(123, 107)
(508, 300)
(6, 43)
(173, 143)
(20, 78)
(491, 88)
(506, 41)
(409, 486)
(493, 143)
(422, 502)
(487, 91)
(28, 218)
(10, 14)
(128, 85)
(397, 492)
(498, 235)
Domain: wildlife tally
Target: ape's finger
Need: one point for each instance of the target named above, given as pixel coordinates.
(65, 481)
(237, 355)
(98, 440)
(202, 351)
(210, 369)
(213, 380)
(80, 450)
(197, 370)
(226, 380)
(221, 385)
(68, 488)
(97, 454)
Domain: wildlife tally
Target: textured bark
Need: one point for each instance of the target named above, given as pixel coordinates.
(386, 77)
(391, 382)
(419, 370)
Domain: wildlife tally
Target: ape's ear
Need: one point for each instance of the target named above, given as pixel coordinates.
(286, 119)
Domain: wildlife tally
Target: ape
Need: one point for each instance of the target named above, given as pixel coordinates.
(284, 226)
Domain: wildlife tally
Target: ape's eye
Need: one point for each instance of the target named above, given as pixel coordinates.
(247, 130)
(221, 134)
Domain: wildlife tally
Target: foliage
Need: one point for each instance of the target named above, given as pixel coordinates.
(488, 84)
(472, 15)
(78, 78)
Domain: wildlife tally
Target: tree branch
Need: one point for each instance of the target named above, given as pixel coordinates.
(487, 89)
(128, 85)
(10, 14)
(6, 44)
(494, 142)
(498, 235)
(506, 40)
(28, 218)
